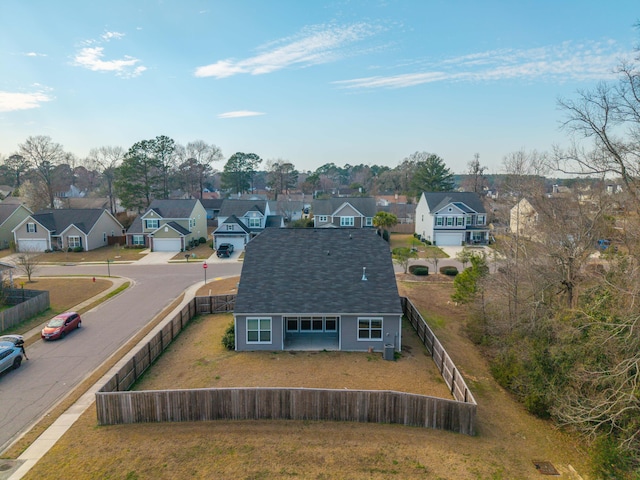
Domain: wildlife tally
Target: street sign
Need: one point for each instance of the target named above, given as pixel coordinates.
(204, 265)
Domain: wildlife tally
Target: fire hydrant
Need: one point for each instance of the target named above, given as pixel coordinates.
(94, 279)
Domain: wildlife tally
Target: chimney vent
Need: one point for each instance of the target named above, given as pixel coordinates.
(364, 274)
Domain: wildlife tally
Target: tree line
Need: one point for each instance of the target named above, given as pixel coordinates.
(152, 169)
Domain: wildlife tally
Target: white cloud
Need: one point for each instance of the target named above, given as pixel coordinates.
(239, 114)
(106, 36)
(92, 59)
(35, 54)
(12, 101)
(567, 61)
(314, 45)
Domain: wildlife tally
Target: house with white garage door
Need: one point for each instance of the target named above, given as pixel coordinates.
(173, 225)
(67, 228)
(452, 219)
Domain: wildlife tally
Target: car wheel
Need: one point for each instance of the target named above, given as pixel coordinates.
(16, 362)
(79, 323)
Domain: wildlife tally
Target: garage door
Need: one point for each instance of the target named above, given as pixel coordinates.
(448, 239)
(237, 242)
(32, 245)
(167, 245)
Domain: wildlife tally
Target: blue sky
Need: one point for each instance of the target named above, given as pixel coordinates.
(310, 82)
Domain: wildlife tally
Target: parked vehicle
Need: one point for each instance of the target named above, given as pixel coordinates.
(10, 352)
(224, 250)
(60, 325)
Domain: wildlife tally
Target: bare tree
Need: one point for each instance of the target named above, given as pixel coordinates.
(28, 262)
(44, 155)
(200, 157)
(477, 179)
(106, 160)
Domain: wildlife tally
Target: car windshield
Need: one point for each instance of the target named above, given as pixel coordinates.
(56, 322)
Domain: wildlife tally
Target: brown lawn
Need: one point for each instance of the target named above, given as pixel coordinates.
(507, 443)
(112, 253)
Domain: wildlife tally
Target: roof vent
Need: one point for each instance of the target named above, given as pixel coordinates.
(364, 274)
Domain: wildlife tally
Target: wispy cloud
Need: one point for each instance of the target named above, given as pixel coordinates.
(106, 36)
(314, 45)
(35, 54)
(12, 101)
(92, 57)
(565, 62)
(239, 114)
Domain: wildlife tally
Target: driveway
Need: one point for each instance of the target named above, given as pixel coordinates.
(156, 258)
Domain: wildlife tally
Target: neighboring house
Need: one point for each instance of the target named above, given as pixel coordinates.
(10, 216)
(452, 218)
(169, 226)
(212, 206)
(241, 220)
(287, 207)
(344, 212)
(523, 218)
(61, 229)
(318, 289)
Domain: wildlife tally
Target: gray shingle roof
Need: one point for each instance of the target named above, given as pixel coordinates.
(365, 205)
(173, 208)
(313, 270)
(6, 211)
(56, 221)
(437, 200)
(240, 207)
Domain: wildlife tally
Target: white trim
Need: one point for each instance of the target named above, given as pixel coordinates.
(258, 331)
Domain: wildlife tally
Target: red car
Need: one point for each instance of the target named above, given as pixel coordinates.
(60, 325)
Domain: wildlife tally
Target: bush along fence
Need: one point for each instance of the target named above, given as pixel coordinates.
(26, 304)
(116, 405)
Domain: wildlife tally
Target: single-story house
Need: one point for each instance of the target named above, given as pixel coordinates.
(60, 229)
(169, 225)
(317, 289)
(452, 218)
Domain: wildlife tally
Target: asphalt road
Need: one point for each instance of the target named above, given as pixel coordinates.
(55, 368)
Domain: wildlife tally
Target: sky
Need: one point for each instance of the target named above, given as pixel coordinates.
(307, 81)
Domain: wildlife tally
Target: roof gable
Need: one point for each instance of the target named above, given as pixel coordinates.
(366, 206)
(58, 220)
(173, 208)
(239, 208)
(438, 200)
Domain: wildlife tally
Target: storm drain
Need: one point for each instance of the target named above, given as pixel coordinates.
(6, 465)
(545, 468)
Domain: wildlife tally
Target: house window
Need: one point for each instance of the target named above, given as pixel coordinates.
(31, 228)
(346, 221)
(469, 220)
(74, 241)
(480, 220)
(459, 221)
(104, 237)
(258, 330)
(449, 221)
(152, 223)
(369, 328)
(230, 227)
(322, 219)
(138, 239)
(292, 324)
(192, 223)
(254, 222)
(331, 324)
(368, 221)
(439, 221)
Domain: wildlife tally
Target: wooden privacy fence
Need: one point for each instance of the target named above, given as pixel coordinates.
(116, 405)
(448, 370)
(26, 304)
(375, 406)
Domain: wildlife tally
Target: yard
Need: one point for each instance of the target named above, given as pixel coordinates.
(408, 240)
(506, 446)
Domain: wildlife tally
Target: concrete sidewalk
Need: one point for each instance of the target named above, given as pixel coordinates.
(50, 436)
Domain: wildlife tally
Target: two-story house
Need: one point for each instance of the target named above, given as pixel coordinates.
(344, 212)
(169, 226)
(241, 220)
(452, 218)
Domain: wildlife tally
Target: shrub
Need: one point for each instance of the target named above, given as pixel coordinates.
(427, 242)
(449, 270)
(385, 235)
(202, 240)
(229, 337)
(419, 270)
(78, 249)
